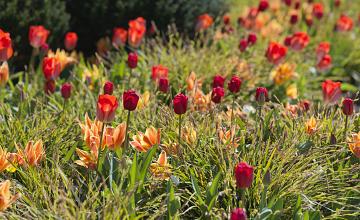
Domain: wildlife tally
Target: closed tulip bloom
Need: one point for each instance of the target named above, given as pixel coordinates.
(252, 38)
(218, 81)
(263, 5)
(275, 52)
(6, 50)
(71, 39)
(331, 91)
(324, 63)
(287, 41)
(322, 49)
(119, 37)
(299, 41)
(132, 60)
(136, 32)
(217, 94)
(261, 95)
(234, 84)
(244, 175)
(287, 2)
(66, 90)
(204, 21)
(38, 36)
(51, 67)
(309, 21)
(238, 214)
(4, 73)
(243, 45)
(50, 87)
(108, 88)
(159, 71)
(226, 19)
(44, 48)
(164, 85)
(344, 23)
(337, 3)
(348, 106)
(294, 18)
(180, 103)
(318, 10)
(106, 108)
(130, 100)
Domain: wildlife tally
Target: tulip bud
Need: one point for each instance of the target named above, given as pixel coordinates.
(180, 103)
(252, 39)
(226, 19)
(287, 2)
(130, 100)
(261, 95)
(71, 39)
(234, 84)
(50, 87)
(218, 81)
(108, 88)
(132, 60)
(337, 3)
(297, 5)
(309, 21)
(217, 94)
(287, 41)
(163, 85)
(348, 106)
(238, 214)
(293, 19)
(66, 90)
(243, 45)
(263, 5)
(244, 175)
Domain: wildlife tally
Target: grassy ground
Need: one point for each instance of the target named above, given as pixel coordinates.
(311, 175)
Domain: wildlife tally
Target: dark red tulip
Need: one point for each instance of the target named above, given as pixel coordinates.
(262, 95)
(66, 90)
(287, 41)
(348, 106)
(305, 105)
(244, 175)
(163, 85)
(297, 5)
(287, 2)
(180, 103)
(238, 214)
(234, 84)
(226, 19)
(132, 60)
(252, 39)
(217, 94)
(218, 81)
(243, 45)
(50, 87)
(294, 19)
(337, 3)
(263, 5)
(318, 10)
(130, 100)
(108, 88)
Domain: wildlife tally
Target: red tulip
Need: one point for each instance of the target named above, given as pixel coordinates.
(318, 10)
(234, 84)
(263, 5)
(309, 21)
(137, 30)
(108, 88)
(6, 50)
(66, 90)
(159, 71)
(294, 18)
(331, 91)
(130, 100)
(299, 41)
(275, 53)
(252, 38)
(348, 106)
(261, 95)
(218, 81)
(325, 63)
(44, 48)
(287, 41)
(238, 214)
(322, 49)
(226, 19)
(305, 105)
(287, 2)
(106, 108)
(244, 175)
(337, 3)
(132, 60)
(119, 37)
(253, 13)
(51, 67)
(217, 94)
(50, 87)
(243, 45)
(204, 21)
(38, 36)
(163, 85)
(71, 39)
(344, 23)
(180, 103)
(297, 5)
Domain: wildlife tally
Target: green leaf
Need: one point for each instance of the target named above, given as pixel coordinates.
(196, 188)
(211, 192)
(145, 165)
(349, 87)
(173, 201)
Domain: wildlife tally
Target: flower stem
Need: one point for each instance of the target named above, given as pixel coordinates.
(346, 126)
(111, 158)
(99, 150)
(126, 131)
(231, 119)
(179, 130)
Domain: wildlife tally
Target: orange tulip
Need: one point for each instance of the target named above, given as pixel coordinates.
(4, 163)
(354, 144)
(311, 126)
(136, 32)
(6, 199)
(33, 153)
(6, 50)
(114, 138)
(143, 142)
(4, 73)
(88, 160)
(161, 169)
(204, 21)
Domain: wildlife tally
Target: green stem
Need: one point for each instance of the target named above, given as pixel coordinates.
(99, 150)
(126, 131)
(180, 130)
(231, 119)
(346, 126)
(242, 192)
(111, 158)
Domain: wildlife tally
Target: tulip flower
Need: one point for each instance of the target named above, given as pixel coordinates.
(49, 87)
(51, 67)
(180, 102)
(322, 49)
(252, 38)
(238, 214)
(32, 155)
(243, 45)
(108, 88)
(106, 108)
(38, 36)
(6, 198)
(344, 23)
(299, 41)
(66, 90)
(234, 84)
(136, 32)
(6, 50)
(4, 73)
(263, 5)
(115, 137)
(87, 160)
(130, 101)
(119, 37)
(354, 144)
(331, 91)
(132, 60)
(294, 17)
(70, 41)
(218, 81)
(226, 19)
(318, 10)
(244, 175)
(324, 63)
(348, 110)
(163, 85)
(261, 95)
(311, 126)
(204, 21)
(161, 169)
(158, 72)
(283, 73)
(275, 53)
(217, 94)
(143, 142)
